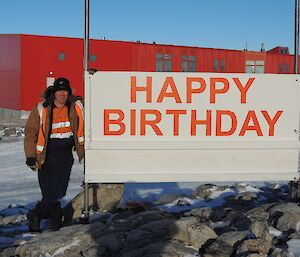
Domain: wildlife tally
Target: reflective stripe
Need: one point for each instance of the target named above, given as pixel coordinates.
(61, 135)
(81, 108)
(61, 125)
(40, 148)
(80, 112)
(40, 111)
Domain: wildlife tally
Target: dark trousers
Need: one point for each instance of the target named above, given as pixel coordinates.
(54, 178)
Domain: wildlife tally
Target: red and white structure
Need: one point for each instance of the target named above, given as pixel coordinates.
(29, 63)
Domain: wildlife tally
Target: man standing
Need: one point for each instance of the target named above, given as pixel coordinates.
(53, 128)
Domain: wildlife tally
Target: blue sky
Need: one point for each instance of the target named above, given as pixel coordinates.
(204, 23)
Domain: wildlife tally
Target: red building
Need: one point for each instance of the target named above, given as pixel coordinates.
(29, 63)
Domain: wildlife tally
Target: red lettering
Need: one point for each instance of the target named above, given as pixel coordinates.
(206, 122)
(219, 131)
(118, 121)
(134, 89)
(190, 90)
(270, 121)
(176, 114)
(151, 123)
(174, 92)
(214, 90)
(243, 89)
(251, 116)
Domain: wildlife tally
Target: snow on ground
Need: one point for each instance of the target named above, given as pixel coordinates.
(19, 184)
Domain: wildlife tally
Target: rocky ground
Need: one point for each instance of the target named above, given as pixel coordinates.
(256, 223)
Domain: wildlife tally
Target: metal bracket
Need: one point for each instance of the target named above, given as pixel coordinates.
(295, 190)
(86, 210)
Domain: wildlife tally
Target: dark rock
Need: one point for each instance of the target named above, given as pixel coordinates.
(112, 242)
(245, 200)
(199, 234)
(257, 213)
(232, 237)
(161, 249)
(124, 214)
(238, 220)
(183, 203)
(145, 217)
(49, 242)
(204, 191)
(8, 252)
(179, 228)
(203, 213)
(218, 214)
(259, 227)
(158, 227)
(278, 252)
(295, 235)
(94, 251)
(220, 249)
(170, 198)
(285, 216)
(222, 230)
(241, 186)
(102, 198)
(255, 245)
(256, 255)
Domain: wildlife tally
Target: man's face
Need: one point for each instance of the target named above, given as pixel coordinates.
(61, 96)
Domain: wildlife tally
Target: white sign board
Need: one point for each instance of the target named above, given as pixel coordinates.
(156, 127)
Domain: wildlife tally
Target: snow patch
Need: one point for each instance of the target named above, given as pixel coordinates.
(298, 226)
(219, 224)
(294, 247)
(274, 231)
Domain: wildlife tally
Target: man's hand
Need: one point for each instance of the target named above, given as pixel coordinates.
(32, 163)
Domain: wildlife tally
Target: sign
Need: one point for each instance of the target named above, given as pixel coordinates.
(156, 127)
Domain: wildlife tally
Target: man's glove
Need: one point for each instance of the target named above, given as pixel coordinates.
(32, 163)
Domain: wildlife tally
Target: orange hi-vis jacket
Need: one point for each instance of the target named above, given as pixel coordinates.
(38, 129)
(61, 126)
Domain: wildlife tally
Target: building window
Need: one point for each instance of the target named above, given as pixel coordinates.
(222, 65)
(280, 68)
(255, 66)
(61, 56)
(283, 68)
(188, 63)
(163, 62)
(219, 65)
(93, 58)
(216, 65)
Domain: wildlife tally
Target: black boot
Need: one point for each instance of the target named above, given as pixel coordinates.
(55, 217)
(55, 221)
(34, 220)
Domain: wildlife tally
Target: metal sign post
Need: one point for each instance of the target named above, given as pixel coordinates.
(296, 36)
(295, 184)
(85, 218)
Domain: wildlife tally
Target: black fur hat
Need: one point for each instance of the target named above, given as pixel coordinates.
(62, 84)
